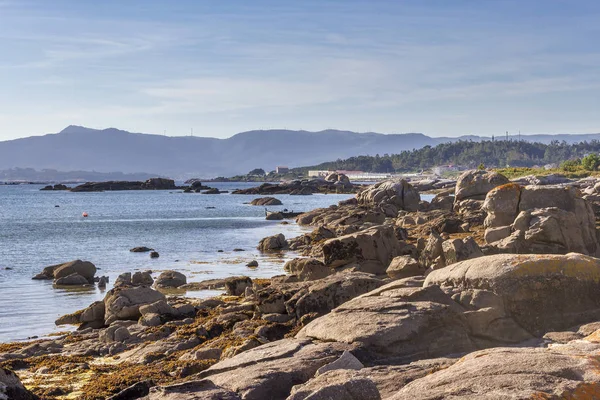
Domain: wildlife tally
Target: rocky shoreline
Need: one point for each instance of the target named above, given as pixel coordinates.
(489, 291)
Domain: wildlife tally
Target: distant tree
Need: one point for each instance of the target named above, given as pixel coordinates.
(481, 166)
(257, 171)
(591, 162)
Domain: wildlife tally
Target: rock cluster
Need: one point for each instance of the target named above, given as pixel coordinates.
(72, 273)
(336, 184)
(150, 184)
(394, 299)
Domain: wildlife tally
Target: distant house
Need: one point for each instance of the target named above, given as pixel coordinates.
(282, 170)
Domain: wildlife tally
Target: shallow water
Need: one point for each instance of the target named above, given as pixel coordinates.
(34, 234)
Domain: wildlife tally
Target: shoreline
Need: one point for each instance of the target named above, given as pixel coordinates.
(392, 298)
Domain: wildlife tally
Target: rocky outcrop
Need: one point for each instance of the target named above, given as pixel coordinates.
(150, 184)
(371, 249)
(55, 187)
(123, 303)
(511, 373)
(475, 184)
(540, 219)
(535, 293)
(396, 322)
(390, 197)
(266, 201)
(301, 187)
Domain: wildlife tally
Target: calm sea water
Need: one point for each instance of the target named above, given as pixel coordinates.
(180, 226)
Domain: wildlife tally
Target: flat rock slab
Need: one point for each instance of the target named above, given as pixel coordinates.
(511, 373)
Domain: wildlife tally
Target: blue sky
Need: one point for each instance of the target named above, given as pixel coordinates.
(443, 68)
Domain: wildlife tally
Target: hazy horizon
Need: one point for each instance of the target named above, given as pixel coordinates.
(444, 69)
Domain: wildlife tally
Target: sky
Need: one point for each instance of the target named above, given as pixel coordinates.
(439, 67)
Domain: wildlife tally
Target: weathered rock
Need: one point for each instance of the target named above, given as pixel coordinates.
(396, 323)
(510, 373)
(542, 219)
(397, 193)
(307, 269)
(154, 254)
(459, 250)
(540, 293)
(273, 243)
(475, 184)
(123, 303)
(403, 267)
(325, 294)
(170, 279)
(338, 384)
(83, 268)
(11, 387)
(266, 201)
(373, 249)
(150, 184)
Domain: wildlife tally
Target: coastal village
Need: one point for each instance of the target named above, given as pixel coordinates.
(489, 290)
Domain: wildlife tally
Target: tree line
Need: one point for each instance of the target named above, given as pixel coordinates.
(496, 154)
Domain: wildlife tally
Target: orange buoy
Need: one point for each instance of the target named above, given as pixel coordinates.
(84, 214)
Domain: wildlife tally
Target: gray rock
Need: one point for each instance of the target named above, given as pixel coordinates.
(346, 361)
(142, 279)
(475, 184)
(236, 286)
(338, 384)
(123, 303)
(307, 269)
(397, 193)
(273, 243)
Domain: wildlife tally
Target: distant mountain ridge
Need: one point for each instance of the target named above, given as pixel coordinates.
(79, 148)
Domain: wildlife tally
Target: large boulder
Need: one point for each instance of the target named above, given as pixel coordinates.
(11, 387)
(273, 243)
(404, 267)
(539, 293)
(83, 268)
(395, 322)
(123, 302)
(397, 193)
(170, 279)
(475, 184)
(373, 249)
(511, 373)
(540, 219)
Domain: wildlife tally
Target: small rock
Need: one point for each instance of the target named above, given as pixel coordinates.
(154, 254)
(252, 264)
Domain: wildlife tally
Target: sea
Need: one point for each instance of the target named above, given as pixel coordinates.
(42, 228)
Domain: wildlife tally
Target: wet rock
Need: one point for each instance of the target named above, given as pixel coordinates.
(71, 280)
(252, 264)
(274, 216)
(154, 254)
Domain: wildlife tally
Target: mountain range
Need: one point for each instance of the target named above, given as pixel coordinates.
(78, 148)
